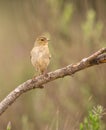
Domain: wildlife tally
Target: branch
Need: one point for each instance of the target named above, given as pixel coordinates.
(98, 57)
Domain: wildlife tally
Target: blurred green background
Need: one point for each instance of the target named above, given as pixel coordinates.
(77, 29)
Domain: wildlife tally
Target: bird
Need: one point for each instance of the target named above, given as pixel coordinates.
(40, 55)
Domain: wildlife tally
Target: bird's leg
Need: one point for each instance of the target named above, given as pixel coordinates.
(33, 79)
(45, 73)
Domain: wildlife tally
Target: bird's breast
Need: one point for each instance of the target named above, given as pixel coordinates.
(39, 53)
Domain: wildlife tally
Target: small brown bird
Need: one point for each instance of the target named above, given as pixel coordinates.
(40, 55)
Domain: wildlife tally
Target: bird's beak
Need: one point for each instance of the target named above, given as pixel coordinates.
(48, 39)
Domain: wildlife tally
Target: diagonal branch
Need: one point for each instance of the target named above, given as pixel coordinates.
(95, 59)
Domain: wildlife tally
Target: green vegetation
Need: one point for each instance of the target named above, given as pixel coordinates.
(9, 126)
(93, 121)
(92, 28)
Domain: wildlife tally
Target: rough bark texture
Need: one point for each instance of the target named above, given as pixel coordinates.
(95, 59)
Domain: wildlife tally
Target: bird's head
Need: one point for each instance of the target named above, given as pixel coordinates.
(41, 40)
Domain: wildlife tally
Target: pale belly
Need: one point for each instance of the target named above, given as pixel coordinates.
(40, 58)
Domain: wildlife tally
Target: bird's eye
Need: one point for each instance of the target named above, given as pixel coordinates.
(42, 39)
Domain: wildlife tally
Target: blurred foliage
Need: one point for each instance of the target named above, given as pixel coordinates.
(92, 29)
(65, 18)
(9, 126)
(93, 121)
(77, 29)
